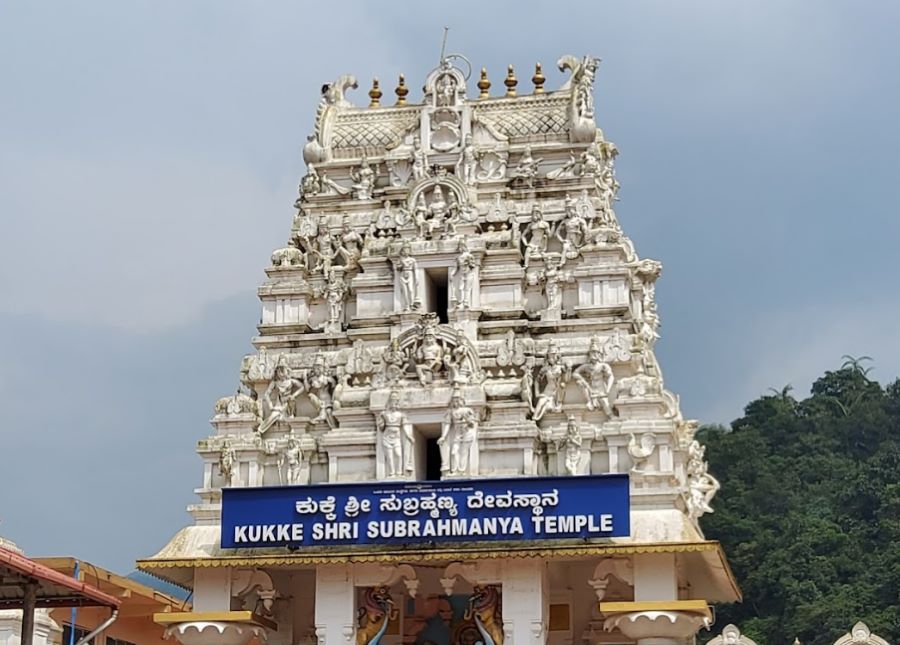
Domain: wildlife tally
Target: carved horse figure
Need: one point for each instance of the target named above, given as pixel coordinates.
(484, 608)
(375, 614)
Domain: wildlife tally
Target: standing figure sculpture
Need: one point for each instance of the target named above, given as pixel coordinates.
(552, 277)
(363, 180)
(458, 440)
(279, 398)
(396, 439)
(596, 379)
(468, 162)
(464, 276)
(572, 444)
(406, 269)
(536, 235)
(551, 381)
(228, 465)
(335, 293)
(419, 161)
(292, 462)
(320, 386)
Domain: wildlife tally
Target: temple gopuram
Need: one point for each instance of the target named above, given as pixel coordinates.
(453, 428)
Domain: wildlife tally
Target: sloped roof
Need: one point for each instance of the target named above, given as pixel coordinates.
(54, 589)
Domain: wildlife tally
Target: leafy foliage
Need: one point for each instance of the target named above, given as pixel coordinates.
(809, 513)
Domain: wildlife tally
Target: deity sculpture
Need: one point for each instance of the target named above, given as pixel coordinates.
(463, 276)
(552, 278)
(351, 246)
(458, 440)
(228, 465)
(566, 171)
(360, 360)
(536, 235)
(406, 269)
(527, 168)
(420, 161)
(423, 219)
(291, 462)
(702, 487)
(445, 90)
(280, 396)
(552, 379)
(572, 444)
(320, 386)
(396, 439)
(468, 162)
(363, 180)
(596, 379)
(572, 231)
(324, 250)
(429, 357)
(393, 363)
(335, 293)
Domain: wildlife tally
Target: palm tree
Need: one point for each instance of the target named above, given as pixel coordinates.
(855, 364)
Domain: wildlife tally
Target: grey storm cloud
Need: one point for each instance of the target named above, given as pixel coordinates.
(150, 157)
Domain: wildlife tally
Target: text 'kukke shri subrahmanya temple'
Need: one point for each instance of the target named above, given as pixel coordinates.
(454, 429)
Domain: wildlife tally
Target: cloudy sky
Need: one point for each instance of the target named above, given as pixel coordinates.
(150, 153)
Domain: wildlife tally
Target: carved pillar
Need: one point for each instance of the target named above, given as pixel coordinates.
(525, 601)
(335, 605)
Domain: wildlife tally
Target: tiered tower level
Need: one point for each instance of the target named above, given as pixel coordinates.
(456, 299)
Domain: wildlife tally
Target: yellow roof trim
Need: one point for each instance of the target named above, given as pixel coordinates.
(691, 606)
(429, 554)
(173, 618)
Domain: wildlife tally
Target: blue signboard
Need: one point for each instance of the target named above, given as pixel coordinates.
(408, 513)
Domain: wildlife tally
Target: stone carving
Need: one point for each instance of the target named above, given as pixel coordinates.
(407, 271)
(566, 171)
(238, 404)
(463, 276)
(571, 442)
(617, 348)
(731, 635)
(552, 278)
(551, 383)
(859, 635)
(396, 439)
(536, 235)
(511, 351)
(228, 465)
(291, 463)
(363, 180)
(360, 360)
(582, 127)
(311, 184)
(290, 256)
(572, 231)
(429, 356)
(640, 384)
(596, 379)
(702, 486)
(320, 386)
(393, 363)
(491, 166)
(648, 271)
(468, 162)
(280, 396)
(335, 293)
(526, 170)
(640, 452)
(350, 246)
(459, 438)
(419, 161)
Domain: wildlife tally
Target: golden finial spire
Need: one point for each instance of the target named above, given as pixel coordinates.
(375, 94)
(538, 79)
(511, 81)
(401, 91)
(484, 84)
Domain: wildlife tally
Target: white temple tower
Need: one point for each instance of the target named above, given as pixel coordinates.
(456, 305)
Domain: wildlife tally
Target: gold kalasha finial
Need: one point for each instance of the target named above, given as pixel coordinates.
(401, 91)
(375, 94)
(538, 79)
(484, 84)
(511, 81)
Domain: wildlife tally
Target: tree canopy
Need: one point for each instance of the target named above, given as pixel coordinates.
(809, 511)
